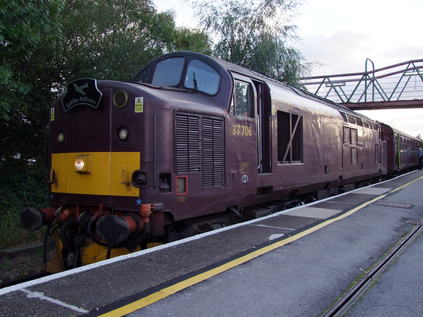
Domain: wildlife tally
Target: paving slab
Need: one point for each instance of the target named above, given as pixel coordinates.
(352, 198)
(372, 190)
(314, 212)
(330, 204)
(289, 222)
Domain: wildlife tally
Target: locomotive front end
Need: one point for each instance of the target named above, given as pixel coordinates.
(95, 146)
(133, 164)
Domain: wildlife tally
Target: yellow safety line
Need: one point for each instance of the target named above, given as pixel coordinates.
(170, 290)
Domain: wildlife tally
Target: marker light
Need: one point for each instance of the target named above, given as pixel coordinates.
(60, 137)
(120, 99)
(123, 133)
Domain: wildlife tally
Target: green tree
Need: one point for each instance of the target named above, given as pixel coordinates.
(113, 39)
(191, 40)
(254, 34)
(46, 43)
(24, 25)
(27, 28)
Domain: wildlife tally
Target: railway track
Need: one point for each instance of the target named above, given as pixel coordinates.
(344, 303)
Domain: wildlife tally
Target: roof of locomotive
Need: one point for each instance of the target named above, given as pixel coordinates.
(303, 93)
(231, 67)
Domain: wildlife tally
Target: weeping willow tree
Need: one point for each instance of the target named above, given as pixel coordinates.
(257, 34)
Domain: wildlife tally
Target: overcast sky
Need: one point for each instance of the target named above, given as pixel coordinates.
(338, 35)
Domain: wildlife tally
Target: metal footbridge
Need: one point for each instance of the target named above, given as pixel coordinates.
(398, 86)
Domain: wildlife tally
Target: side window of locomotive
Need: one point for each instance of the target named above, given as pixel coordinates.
(168, 72)
(243, 99)
(290, 137)
(202, 77)
(351, 140)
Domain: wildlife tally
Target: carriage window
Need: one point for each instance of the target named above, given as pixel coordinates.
(168, 72)
(243, 99)
(347, 135)
(290, 137)
(354, 136)
(351, 119)
(202, 77)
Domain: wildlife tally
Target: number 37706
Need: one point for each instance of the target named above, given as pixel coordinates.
(243, 130)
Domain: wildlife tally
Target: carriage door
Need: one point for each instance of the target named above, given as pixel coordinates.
(263, 127)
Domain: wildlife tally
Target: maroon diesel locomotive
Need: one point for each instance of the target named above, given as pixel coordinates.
(193, 143)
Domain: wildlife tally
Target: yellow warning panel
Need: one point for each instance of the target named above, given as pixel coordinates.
(95, 173)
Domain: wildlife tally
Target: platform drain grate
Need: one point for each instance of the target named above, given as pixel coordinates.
(394, 204)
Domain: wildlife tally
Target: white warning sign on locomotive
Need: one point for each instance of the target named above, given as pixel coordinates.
(139, 104)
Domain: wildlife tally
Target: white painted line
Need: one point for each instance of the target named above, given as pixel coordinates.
(88, 267)
(275, 227)
(41, 296)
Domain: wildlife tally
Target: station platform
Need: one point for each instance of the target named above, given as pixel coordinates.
(296, 262)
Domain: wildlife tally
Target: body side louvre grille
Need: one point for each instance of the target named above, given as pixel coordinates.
(213, 136)
(187, 137)
(200, 149)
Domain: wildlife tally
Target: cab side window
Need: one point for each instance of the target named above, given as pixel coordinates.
(243, 99)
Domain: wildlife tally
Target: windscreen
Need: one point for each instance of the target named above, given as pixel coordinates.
(168, 72)
(202, 77)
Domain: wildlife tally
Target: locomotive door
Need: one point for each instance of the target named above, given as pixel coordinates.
(243, 132)
(263, 127)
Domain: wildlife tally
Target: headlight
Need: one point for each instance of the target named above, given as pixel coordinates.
(82, 165)
(79, 164)
(120, 99)
(60, 137)
(123, 133)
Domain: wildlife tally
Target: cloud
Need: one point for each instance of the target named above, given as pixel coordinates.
(406, 120)
(338, 53)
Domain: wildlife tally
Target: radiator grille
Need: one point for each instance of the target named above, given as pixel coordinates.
(203, 150)
(187, 143)
(213, 152)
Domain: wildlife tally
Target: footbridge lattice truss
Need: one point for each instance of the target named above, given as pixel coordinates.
(397, 86)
